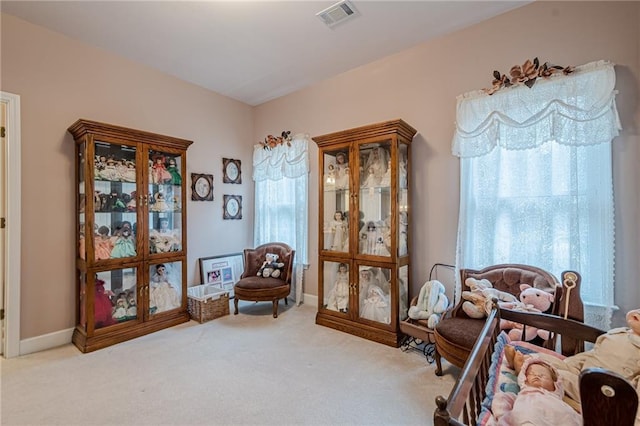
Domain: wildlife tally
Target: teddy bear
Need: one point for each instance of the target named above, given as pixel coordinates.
(478, 302)
(432, 302)
(270, 267)
(531, 300)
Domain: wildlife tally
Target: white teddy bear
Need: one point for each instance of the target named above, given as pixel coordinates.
(270, 267)
(432, 302)
(478, 302)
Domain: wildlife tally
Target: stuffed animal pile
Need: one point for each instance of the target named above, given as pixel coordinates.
(432, 302)
(270, 267)
(478, 303)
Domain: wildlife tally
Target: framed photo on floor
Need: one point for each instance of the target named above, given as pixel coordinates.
(222, 271)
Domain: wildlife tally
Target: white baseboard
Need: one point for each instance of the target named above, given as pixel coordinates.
(63, 337)
(45, 341)
(310, 299)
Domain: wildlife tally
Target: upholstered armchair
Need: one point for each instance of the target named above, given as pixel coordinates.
(456, 333)
(259, 289)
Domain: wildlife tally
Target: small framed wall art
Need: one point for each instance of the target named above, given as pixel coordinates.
(201, 187)
(232, 207)
(231, 172)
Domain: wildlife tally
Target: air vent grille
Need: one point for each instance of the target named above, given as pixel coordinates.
(337, 13)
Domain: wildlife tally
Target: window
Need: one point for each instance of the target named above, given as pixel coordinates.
(281, 176)
(536, 180)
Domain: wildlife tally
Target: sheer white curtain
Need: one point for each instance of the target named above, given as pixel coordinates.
(536, 180)
(281, 178)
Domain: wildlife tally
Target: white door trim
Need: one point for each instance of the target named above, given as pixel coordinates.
(12, 231)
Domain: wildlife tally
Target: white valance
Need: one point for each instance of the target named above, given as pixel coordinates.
(561, 108)
(282, 160)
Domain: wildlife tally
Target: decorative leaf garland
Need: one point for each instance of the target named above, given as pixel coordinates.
(271, 141)
(526, 74)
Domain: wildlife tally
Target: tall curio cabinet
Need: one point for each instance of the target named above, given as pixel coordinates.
(131, 240)
(364, 245)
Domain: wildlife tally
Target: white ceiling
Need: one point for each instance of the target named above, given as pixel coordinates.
(253, 51)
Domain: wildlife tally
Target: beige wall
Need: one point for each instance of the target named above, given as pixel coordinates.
(420, 85)
(60, 80)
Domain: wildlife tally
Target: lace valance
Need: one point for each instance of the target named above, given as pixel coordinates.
(282, 160)
(575, 109)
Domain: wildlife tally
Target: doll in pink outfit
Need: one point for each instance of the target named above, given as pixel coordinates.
(539, 402)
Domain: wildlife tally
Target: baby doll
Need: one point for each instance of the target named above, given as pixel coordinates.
(341, 171)
(618, 350)
(539, 401)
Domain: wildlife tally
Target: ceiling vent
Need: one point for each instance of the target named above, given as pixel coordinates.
(337, 13)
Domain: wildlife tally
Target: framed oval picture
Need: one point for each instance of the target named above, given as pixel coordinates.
(232, 207)
(231, 172)
(201, 187)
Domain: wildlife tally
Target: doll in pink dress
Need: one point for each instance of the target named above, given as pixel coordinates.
(160, 174)
(539, 402)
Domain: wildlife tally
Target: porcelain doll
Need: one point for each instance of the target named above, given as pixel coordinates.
(368, 277)
(339, 232)
(386, 178)
(172, 168)
(330, 178)
(103, 244)
(124, 245)
(162, 295)
(129, 172)
(110, 172)
(377, 163)
(120, 309)
(164, 239)
(342, 171)
(339, 294)
(375, 306)
(160, 204)
(102, 307)
(160, 175)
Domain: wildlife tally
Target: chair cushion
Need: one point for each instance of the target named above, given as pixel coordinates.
(259, 283)
(463, 331)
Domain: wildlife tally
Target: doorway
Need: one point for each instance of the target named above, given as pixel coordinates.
(10, 225)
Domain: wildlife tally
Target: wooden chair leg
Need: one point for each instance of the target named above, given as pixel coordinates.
(286, 301)
(235, 306)
(275, 308)
(438, 363)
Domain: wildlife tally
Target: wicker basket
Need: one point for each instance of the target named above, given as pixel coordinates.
(206, 302)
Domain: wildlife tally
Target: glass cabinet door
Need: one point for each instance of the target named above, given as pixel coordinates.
(374, 294)
(403, 199)
(165, 202)
(336, 286)
(403, 290)
(374, 234)
(165, 287)
(336, 200)
(114, 201)
(115, 297)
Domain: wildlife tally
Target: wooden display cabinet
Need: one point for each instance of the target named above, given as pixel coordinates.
(364, 243)
(131, 233)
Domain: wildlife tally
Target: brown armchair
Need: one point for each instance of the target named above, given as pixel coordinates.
(259, 289)
(456, 333)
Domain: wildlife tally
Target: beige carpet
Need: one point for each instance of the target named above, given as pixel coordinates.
(249, 369)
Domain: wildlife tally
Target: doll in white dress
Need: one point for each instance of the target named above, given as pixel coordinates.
(339, 294)
(339, 232)
(163, 296)
(342, 171)
(375, 306)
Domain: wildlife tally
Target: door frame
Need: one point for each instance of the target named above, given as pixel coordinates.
(12, 231)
